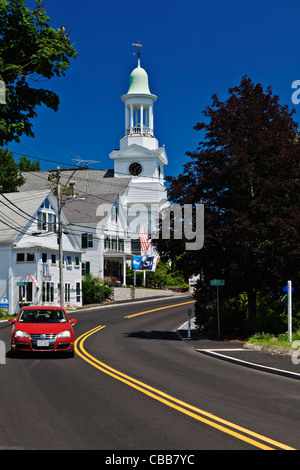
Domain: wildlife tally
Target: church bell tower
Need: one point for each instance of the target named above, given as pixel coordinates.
(140, 156)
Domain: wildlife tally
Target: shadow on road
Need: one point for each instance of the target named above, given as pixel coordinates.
(37, 355)
(163, 335)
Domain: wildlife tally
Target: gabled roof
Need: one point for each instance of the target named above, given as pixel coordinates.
(139, 151)
(17, 211)
(88, 209)
(86, 181)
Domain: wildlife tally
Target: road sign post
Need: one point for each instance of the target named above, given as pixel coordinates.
(217, 283)
(289, 289)
(290, 310)
(189, 323)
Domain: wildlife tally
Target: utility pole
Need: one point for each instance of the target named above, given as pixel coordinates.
(57, 176)
(60, 243)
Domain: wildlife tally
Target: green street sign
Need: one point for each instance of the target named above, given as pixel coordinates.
(22, 283)
(217, 282)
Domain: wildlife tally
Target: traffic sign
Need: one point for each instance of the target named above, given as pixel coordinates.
(217, 282)
(4, 303)
(285, 289)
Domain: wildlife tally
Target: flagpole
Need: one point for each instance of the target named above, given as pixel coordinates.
(145, 277)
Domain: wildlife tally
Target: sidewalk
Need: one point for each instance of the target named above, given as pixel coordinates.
(242, 354)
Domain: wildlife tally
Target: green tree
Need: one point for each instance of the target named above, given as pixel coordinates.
(25, 164)
(246, 172)
(10, 178)
(30, 52)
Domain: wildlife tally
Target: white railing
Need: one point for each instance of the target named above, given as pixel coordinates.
(137, 130)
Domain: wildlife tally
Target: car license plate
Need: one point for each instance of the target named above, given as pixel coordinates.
(41, 342)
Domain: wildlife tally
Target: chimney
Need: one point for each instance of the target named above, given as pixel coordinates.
(71, 186)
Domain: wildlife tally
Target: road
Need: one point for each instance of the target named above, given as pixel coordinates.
(134, 385)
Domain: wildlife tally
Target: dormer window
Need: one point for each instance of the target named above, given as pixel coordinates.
(46, 218)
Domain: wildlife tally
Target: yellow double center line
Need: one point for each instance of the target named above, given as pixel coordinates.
(234, 430)
(159, 308)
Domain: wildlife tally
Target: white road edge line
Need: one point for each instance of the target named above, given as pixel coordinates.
(249, 364)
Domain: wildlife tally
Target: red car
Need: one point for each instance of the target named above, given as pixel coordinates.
(42, 329)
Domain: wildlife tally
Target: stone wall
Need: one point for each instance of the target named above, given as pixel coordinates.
(129, 293)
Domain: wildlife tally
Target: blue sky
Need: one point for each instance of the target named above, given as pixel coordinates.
(192, 49)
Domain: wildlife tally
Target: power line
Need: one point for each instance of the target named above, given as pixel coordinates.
(72, 165)
(68, 226)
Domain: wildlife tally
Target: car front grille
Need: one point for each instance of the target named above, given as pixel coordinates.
(48, 337)
(51, 337)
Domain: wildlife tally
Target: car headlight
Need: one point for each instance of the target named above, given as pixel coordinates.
(21, 334)
(64, 334)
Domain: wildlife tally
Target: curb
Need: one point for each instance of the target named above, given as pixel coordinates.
(251, 365)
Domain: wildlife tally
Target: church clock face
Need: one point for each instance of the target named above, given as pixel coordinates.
(135, 169)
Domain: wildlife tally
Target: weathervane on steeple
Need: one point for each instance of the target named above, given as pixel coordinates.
(138, 53)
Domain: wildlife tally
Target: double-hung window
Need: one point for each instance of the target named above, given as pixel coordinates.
(87, 240)
(113, 243)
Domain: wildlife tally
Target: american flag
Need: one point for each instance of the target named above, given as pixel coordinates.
(144, 239)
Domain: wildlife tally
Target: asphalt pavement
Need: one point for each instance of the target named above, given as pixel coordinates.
(285, 363)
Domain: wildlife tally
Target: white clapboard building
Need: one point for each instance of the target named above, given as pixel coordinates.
(29, 255)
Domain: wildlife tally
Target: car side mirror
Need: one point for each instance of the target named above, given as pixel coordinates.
(11, 320)
(73, 321)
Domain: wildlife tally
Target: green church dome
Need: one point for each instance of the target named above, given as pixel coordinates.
(139, 82)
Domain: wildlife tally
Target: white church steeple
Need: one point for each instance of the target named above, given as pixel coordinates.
(139, 118)
(139, 155)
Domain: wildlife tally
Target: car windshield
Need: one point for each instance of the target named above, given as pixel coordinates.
(42, 316)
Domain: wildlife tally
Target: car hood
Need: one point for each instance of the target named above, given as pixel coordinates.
(36, 328)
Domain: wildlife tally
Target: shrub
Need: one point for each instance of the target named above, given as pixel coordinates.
(233, 313)
(3, 313)
(271, 313)
(94, 291)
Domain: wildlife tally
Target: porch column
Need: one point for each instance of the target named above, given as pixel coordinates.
(101, 267)
(124, 270)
